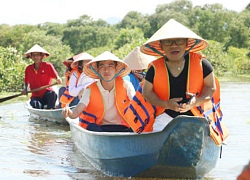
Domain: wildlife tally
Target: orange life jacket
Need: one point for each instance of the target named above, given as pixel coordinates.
(94, 112)
(140, 115)
(66, 98)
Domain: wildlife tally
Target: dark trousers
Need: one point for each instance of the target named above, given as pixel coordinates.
(48, 99)
(108, 128)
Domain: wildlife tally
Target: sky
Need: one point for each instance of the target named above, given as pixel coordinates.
(13, 12)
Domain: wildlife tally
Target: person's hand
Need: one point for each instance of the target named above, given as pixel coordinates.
(173, 104)
(188, 105)
(24, 92)
(59, 80)
(66, 112)
(184, 107)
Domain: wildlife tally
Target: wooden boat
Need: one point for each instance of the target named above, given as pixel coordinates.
(183, 149)
(54, 115)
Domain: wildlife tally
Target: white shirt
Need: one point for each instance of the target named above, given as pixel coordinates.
(111, 115)
(83, 82)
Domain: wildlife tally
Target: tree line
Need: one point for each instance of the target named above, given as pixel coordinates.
(228, 34)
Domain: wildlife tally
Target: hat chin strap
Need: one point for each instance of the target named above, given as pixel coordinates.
(166, 58)
(97, 73)
(155, 50)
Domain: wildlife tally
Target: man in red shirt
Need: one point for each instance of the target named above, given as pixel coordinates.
(40, 74)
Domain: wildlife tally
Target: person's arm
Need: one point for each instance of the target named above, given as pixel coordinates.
(80, 94)
(83, 103)
(208, 90)
(72, 84)
(206, 94)
(130, 89)
(25, 89)
(67, 112)
(58, 80)
(82, 83)
(152, 98)
(54, 74)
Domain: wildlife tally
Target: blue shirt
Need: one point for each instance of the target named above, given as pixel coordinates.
(131, 78)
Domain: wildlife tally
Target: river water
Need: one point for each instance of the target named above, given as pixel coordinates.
(36, 149)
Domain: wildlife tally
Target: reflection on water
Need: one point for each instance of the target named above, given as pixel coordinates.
(36, 149)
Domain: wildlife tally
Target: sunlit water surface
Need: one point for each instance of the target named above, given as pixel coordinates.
(36, 149)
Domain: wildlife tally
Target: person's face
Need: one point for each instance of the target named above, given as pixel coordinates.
(174, 48)
(36, 56)
(107, 69)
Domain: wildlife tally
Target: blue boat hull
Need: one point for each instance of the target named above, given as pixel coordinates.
(53, 115)
(183, 149)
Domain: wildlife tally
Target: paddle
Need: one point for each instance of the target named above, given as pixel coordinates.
(33, 90)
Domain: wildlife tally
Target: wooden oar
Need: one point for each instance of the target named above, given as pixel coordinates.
(33, 90)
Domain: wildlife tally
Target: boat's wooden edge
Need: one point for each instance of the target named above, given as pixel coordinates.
(174, 122)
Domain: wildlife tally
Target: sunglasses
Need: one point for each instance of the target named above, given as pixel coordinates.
(169, 42)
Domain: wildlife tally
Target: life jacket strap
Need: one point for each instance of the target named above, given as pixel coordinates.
(84, 121)
(138, 117)
(154, 107)
(67, 96)
(89, 114)
(215, 125)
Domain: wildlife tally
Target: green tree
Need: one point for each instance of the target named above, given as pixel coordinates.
(87, 37)
(53, 29)
(126, 36)
(218, 58)
(238, 60)
(12, 68)
(135, 19)
(212, 22)
(239, 31)
(12, 35)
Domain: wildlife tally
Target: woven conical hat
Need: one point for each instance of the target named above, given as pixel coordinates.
(106, 56)
(36, 48)
(173, 29)
(138, 60)
(84, 56)
(68, 63)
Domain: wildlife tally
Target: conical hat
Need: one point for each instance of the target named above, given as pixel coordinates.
(68, 63)
(36, 48)
(173, 29)
(81, 57)
(106, 56)
(138, 60)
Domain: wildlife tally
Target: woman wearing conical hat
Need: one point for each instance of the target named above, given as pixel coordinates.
(40, 74)
(138, 63)
(103, 102)
(181, 79)
(78, 81)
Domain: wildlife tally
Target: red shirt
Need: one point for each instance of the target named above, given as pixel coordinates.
(43, 76)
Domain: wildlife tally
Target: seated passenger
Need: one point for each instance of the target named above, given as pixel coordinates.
(40, 74)
(103, 102)
(77, 81)
(68, 70)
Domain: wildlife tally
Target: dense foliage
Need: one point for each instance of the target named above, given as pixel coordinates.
(226, 31)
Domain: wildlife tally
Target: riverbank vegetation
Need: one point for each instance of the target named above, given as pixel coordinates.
(228, 34)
